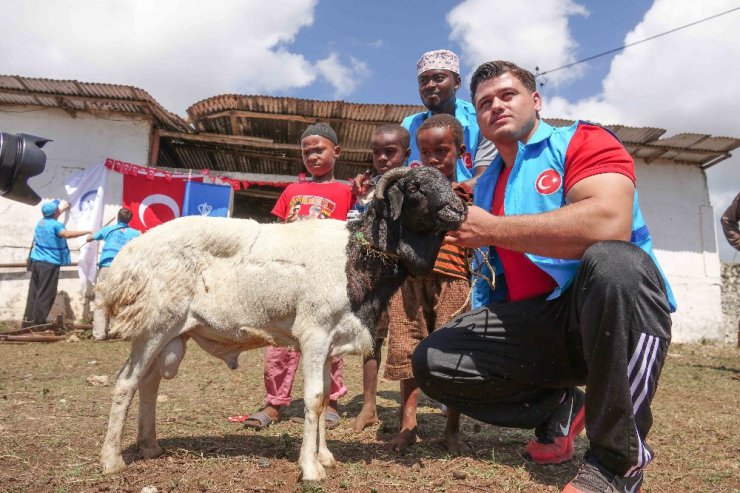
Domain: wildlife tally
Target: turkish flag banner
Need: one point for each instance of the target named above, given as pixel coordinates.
(152, 202)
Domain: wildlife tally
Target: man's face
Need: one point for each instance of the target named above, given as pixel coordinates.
(437, 148)
(506, 110)
(388, 153)
(319, 155)
(437, 88)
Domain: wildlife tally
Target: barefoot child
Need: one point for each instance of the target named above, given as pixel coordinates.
(425, 303)
(320, 198)
(391, 147)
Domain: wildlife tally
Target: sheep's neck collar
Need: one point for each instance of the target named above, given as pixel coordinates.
(371, 250)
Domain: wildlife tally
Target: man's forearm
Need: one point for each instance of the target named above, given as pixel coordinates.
(563, 233)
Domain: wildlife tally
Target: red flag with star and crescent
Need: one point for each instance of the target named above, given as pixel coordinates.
(152, 202)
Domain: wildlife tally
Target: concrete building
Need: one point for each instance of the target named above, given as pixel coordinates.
(253, 141)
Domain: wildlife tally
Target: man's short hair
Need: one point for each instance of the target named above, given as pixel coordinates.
(124, 215)
(322, 130)
(404, 138)
(491, 70)
(443, 120)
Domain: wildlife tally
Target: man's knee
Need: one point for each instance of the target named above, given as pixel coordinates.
(617, 263)
(420, 364)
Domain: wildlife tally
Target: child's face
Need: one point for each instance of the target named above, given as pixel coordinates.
(388, 153)
(437, 148)
(319, 156)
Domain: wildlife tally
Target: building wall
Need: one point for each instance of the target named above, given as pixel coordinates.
(675, 202)
(674, 199)
(78, 142)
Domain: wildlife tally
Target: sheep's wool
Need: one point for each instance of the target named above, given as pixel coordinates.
(257, 281)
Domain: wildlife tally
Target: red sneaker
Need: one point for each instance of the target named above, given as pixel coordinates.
(554, 442)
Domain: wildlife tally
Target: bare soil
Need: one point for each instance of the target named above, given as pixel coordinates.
(52, 422)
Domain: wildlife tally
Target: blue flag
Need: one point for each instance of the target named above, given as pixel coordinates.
(206, 199)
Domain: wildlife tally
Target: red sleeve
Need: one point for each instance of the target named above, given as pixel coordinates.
(281, 206)
(593, 151)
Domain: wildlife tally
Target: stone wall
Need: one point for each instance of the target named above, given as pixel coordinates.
(731, 301)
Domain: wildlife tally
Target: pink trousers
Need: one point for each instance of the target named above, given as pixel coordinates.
(281, 365)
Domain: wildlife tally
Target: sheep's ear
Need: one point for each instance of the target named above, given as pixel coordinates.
(395, 195)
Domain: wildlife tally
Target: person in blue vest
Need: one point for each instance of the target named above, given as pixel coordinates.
(49, 252)
(114, 237)
(576, 297)
(438, 76)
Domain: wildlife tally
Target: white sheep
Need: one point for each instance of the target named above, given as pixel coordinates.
(233, 285)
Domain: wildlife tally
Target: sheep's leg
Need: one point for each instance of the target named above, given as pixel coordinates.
(122, 393)
(168, 362)
(326, 458)
(142, 355)
(148, 390)
(314, 399)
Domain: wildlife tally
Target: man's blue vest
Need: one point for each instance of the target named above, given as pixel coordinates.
(47, 246)
(465, 113)
(544, 151)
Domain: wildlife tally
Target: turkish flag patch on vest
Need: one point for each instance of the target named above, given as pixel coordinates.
(548, 182)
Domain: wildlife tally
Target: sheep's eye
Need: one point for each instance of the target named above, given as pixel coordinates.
(412, 188)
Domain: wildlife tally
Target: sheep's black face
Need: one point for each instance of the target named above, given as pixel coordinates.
(429, 204)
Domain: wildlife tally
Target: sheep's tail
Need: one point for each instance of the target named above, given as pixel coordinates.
(124, 295)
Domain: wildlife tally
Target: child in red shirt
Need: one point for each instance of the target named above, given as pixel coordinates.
(321, 198)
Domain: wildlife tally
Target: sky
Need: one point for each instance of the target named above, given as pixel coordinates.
(184, 51)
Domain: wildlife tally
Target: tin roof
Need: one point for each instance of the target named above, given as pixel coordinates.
(73, 96)
(260, 134)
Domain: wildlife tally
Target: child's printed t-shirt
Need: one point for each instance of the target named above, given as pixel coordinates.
(309, 200)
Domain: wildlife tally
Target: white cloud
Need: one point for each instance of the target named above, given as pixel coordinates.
(344, 78)
(531, 33)
(179, 51)
(684, 82)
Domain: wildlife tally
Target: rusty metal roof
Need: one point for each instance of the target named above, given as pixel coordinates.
(260, 134)
(72, 96)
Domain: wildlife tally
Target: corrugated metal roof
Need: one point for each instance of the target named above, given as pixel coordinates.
(72, 95)
(260, 134)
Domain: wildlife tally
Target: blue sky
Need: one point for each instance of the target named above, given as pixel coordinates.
(182, 51)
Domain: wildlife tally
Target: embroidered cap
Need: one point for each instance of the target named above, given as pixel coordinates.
(49, 208)
(438, 60)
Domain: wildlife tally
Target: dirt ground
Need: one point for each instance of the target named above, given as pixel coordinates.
(52, 422)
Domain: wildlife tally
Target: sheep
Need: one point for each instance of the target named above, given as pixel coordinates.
(234, 285)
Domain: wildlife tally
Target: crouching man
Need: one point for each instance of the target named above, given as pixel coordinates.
(579, 297)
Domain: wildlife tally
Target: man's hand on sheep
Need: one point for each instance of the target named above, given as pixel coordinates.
(475, 231)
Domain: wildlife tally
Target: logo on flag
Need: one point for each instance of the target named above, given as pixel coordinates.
(207, 199)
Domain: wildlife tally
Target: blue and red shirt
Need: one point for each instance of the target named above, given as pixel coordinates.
(546, 167)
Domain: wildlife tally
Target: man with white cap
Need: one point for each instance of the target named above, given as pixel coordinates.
(438, 75)
(49, 252)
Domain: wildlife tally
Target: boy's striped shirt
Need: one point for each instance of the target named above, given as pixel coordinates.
(452, 261)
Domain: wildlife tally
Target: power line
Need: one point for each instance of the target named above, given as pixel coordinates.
(633, 44)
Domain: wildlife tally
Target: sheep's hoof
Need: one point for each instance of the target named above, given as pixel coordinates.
(326, 459)
(312, 472)
(150, 452)
(114, 468)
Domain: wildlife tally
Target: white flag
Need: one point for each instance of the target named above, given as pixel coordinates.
(86, 200)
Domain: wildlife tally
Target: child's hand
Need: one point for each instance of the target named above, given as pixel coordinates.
(359, 184)
(464, 191)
